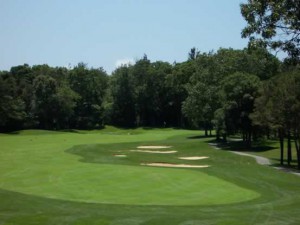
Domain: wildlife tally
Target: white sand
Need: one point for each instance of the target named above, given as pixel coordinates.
(158, 152)
(193, 157)
(120, 155)
(153, 147)
(174, 165)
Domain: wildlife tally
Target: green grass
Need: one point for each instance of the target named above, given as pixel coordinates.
(72, 177)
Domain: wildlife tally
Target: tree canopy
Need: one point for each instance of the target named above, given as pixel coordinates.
(273, 23)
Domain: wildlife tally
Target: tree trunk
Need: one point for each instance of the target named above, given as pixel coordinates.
(298, 151)
(206, 133)
(297, 142)
(244, 137)
(249, 142)
(289, 152)
(298, 159)
(268, 133)
(217, 135)
(281, 138)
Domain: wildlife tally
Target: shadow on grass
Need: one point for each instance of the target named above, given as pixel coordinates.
(41, 132)
(32, 132)
(239, 145)
(293, 167)
(70, 131)
(201, 137)
(12, 132)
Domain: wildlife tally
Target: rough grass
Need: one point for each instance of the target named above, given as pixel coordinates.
(41, 171)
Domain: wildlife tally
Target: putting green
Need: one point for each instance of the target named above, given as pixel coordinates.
(43, 168)
(117, 184)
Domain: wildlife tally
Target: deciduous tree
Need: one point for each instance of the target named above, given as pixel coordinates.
(273, 23)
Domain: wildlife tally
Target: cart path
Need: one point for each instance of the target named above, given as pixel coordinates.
(260, 160)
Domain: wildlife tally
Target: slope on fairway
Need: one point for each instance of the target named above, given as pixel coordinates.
(42, 167)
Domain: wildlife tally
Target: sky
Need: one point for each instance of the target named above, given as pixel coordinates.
(108, 33)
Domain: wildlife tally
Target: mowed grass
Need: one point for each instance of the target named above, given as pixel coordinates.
(121, 181)
(74, 178)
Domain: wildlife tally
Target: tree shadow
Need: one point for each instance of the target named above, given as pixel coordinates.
(285, 167)
(201, 137)
(69, 131)
(258, 146)
(150, 128)
(11, 133)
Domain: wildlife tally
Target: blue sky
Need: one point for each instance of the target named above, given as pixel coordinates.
(103, 33)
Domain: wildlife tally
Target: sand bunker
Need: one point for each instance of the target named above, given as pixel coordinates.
(193, 157)
(174, 165)
(158, 152)
(153, 147)
(119, 155)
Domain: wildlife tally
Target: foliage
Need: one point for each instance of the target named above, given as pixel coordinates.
(139, 95)
(213, 86)
(123, 98)
(176, 93)
(12, 107)
(273, 23)
(278, 108)
(239, 91)
(91, 85)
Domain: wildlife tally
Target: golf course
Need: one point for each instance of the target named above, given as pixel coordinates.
(137, 176)
(150, 112)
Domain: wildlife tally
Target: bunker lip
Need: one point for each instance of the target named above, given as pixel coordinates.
(153, 147)
(160, 164)
(193, 157)
(150, 151)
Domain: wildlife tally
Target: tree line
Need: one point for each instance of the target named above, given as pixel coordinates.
(52, 98)
(144, 94)
(249, 92)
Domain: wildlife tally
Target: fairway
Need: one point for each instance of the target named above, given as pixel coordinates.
(82, 167)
